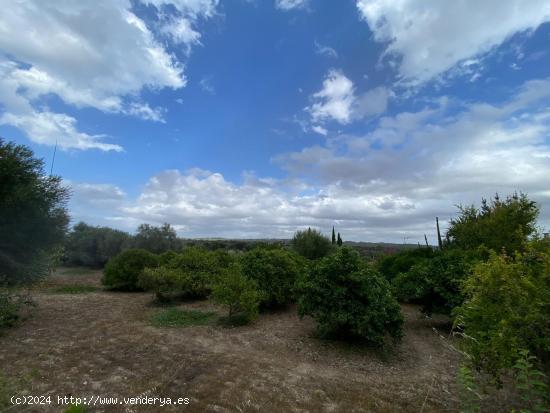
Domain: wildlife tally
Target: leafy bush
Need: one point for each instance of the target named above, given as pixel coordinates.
(188, 274)
(122, 272)
(391, 266)
(10, 307)
(166, 257)
(93, 246)
(436, 282)
(168, 283)
(348, 298)
(239, 293)
(275, 270)
(507, 310)
(311, 244)
(496, 225)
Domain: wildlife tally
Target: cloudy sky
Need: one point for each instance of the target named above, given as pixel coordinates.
(252, 118)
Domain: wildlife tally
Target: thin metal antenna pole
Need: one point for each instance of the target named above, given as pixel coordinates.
(53, 159)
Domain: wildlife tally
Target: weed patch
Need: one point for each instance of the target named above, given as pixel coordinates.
(175, 317)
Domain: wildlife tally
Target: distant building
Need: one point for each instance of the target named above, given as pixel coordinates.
(546, 235)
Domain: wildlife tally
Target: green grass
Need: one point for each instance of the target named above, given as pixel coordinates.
(6, 391)
(74, 289)
(175, 317)
(76, 409)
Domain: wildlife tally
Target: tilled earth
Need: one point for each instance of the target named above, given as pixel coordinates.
(103, 344)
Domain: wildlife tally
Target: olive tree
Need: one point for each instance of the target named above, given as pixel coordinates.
(33, 215)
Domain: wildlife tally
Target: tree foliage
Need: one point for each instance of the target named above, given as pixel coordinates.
(33, 215)
(122, 272)
(499, 224)
(507, 309)
(187, 274)
(275, 270)
(238, 293)
(391, 266)
(93, 246)
(311, 244)
(436, 282)
(156, 239)
(347, 298)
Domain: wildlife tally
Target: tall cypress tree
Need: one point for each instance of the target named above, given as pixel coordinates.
(333, 236)
(339, 242)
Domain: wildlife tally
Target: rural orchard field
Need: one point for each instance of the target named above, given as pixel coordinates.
(280, 206)
(101, 342)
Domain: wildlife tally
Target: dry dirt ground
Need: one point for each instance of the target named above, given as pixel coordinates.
(102, 343)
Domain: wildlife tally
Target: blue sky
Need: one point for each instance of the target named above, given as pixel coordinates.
(256, 118)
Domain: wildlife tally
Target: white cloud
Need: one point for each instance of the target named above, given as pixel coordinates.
(48, 128)
(181, 31)
(326, 51)
(383, 186)
(190, 8)
(205, 204)
(144, 111)
(338, 101)
(206, 85)
(319, 129)
(431, 37)
(98, 55)
(290, 4)
(335, 100)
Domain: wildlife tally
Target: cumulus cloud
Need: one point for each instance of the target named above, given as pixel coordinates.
(181, 31)
(383, 186)
(444, 154)
(97, 204)
(98, 55)
(204, 204)
(337, 100)
(428, 38)
(319, 129)
(290, 4)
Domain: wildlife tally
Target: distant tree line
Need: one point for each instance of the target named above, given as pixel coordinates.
(93, 246)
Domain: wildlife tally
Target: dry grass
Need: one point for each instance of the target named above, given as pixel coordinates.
(103, 343)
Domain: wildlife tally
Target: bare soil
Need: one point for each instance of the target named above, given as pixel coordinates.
(102, 343)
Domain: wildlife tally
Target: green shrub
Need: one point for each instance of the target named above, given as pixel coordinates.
(10, 307)
(349, 299)
(392, 265)
(122, 271)
(275, 270)
(188, 274)
(223, 259)
(436, 282)
(507, 310)
(238, 293)
(311, 244)
(169, 283)
(166, 257)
